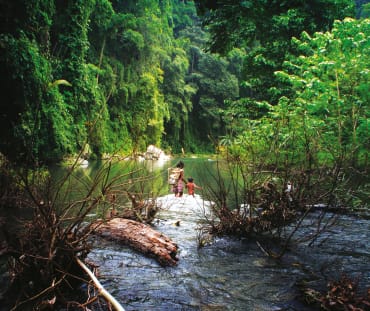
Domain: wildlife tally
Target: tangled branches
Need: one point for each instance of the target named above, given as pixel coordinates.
(256, 201)
(43, 241)
(50, 235)
(342, 295)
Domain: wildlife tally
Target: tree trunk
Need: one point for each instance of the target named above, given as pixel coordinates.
(141, 237)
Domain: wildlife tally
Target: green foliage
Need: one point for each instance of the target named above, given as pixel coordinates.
(325, 121)
(43, 122)
(365, 11)
(361, 5)
(116, 75)
(177, 92)
(332, 88)
(215, 85)
(264, 29)
(183, 16)
(83, 72)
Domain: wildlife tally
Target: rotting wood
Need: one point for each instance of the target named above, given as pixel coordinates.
(140, 237)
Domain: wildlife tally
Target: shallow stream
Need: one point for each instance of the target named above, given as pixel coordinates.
(228, 274)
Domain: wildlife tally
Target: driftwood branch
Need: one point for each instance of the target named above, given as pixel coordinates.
(102, 290)
(140, 237)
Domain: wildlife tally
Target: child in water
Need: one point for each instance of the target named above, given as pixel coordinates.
(191, 186)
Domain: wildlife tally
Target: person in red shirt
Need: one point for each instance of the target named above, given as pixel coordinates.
(191, 186)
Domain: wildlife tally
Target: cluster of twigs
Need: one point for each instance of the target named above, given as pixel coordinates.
(341, 295)
(272, 205)
(255, 201)
(270, 210)
(49, 238)
(253, 207)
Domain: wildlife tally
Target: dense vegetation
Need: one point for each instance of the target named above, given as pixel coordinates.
(116, 76)
(279, 88)
(311, 88)
(303, 111)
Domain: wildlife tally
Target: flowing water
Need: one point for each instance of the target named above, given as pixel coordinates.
(227, 274)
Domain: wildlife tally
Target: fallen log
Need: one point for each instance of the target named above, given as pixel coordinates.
(140, 237)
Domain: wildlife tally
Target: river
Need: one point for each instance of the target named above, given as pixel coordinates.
(227, 273)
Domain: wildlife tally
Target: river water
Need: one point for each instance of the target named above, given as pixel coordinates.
(227, 273)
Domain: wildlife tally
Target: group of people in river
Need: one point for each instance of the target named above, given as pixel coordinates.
(178, 182)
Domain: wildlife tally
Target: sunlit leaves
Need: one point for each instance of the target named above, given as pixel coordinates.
(325, 120)
(332, 83)
(60, 82)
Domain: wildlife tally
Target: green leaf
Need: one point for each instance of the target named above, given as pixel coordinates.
(60, 82)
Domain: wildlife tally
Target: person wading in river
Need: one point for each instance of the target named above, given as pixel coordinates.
(191, 186)
(179, 185)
